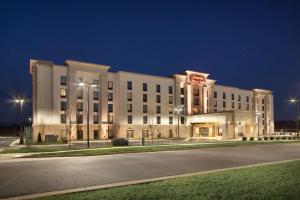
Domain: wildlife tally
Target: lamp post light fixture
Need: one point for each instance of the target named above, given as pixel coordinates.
(20, 102)
(178, 111)
(296, 102)
(87, 86)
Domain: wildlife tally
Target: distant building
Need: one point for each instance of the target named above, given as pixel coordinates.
(125, 104)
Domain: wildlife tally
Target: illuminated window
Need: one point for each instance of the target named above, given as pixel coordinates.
(110, 118)
(196, 110)
(170, 109)
(170, 100)
(110, 85)
(129, 96)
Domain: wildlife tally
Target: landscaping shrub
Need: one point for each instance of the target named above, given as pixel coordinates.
(244, 138)
(284, 138)
(271, 138)
(265, 138)
(277, 138)
(251, 138)
(259, 138)
(289, 138)
(119, 142)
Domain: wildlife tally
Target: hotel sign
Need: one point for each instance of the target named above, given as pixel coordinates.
(196, 79)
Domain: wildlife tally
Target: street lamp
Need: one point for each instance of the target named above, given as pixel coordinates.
(20, 101)
(87, 86)
(258, 114)
(296, 102)
(178, 111)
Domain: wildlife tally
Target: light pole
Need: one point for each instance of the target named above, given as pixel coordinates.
(87, 85)
(20, 101)
(296, 102)
(258, 114)
(178, 111)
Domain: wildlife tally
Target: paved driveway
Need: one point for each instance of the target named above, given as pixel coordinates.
(5, 142)
(28, 176)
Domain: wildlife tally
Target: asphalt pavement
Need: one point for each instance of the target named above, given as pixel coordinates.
(6, 141)
(28, 176)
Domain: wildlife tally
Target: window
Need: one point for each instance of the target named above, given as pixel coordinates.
(170, 90)
(196, 92)
(129, 119)
(248, 107)
(263, 108)
(110, 118)
(170, 120)
(95, 107)
(195, 110)
(96, 119)
(110, 85)
(263, 115)
(240, 106)
(145, 119)
(63, 105)
(145, 108)
(182, 91)
(157, 98)
(79, 94)
(79, 119)
(110, 107)
(158, 88)
(110, 96)
(158, 119)
(95, 95)
(129, 108)
(224, 104)
(79, 106)
(263, 101)
(144, 97)
(215, 94)
(129, 96)
(196, 101)
(63, 118)
(247, 98)
(170, 110)
(63, 80)
(96, 82)
(239, 98)
(96, 135)
(224, 95)
(232, 97)
(232, 104)
(182, 100)
(170, 100)
(145, 87)
(216, 104)
(158, 109)
(63, 92)
(182, 120)
(129, 85)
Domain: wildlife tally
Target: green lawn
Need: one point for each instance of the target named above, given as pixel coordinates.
(50, 152)
(275, 181)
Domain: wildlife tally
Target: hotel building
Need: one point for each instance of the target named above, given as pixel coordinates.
(77, 98)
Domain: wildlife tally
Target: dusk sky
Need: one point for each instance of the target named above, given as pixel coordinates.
(248, 44)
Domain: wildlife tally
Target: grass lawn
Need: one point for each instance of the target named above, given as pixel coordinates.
(54, 152)
(275, 181)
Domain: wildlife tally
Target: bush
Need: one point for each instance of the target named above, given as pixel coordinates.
(244, 138)
(289, 138)
(259, 138)
(119, 142)
(271, 138)
(251, 138)
(266, 138)
(284, 138)
(277, 138)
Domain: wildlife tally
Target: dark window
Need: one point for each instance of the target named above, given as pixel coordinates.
(96, 82)
(170, 110)
(239, 98)
(96, 107)
(145, 119)
(224, 95)
(110, 85)
(224, 104)
(232, 96)
(79, 94)
(129, 119)
(95, 95)
(96, 135)
(170, 90)
(79, 134)
(263, 101)
(79, 106)
(196, 101)
(196, 92)
(248, 107)
(157, 98)
(144, 97)
(145, 108)
(129, 96)
(63, 80)
(79, 119)
(170, 100)
(240, 106)
(263, 108)
(129, 85)
(247, 98)
(63, 105)
(232, 104)
(129, 108)
(158, 88)
(182, 91)
(110, 107)
(96, 119)
(215, 94)
(182, 100)
(158, 120)
(158, 109)
(170, 120)
(182, 120)
(63, 118)
(145, 87)
(216, 104)
(110, 96)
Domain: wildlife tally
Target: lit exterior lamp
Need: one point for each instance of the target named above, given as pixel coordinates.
(87, 86)
(296, 102)
(178, 111)
(20, 101)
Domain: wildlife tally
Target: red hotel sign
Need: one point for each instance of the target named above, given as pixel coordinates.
(196, 79)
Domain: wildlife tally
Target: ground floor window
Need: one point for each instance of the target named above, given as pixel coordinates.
(170, 133)
(130, 133)
(79, 134)
(145, 133)
(96, 135)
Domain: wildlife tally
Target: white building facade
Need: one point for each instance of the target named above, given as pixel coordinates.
(78, 99)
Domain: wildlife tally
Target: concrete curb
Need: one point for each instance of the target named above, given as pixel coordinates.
(112, 185)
